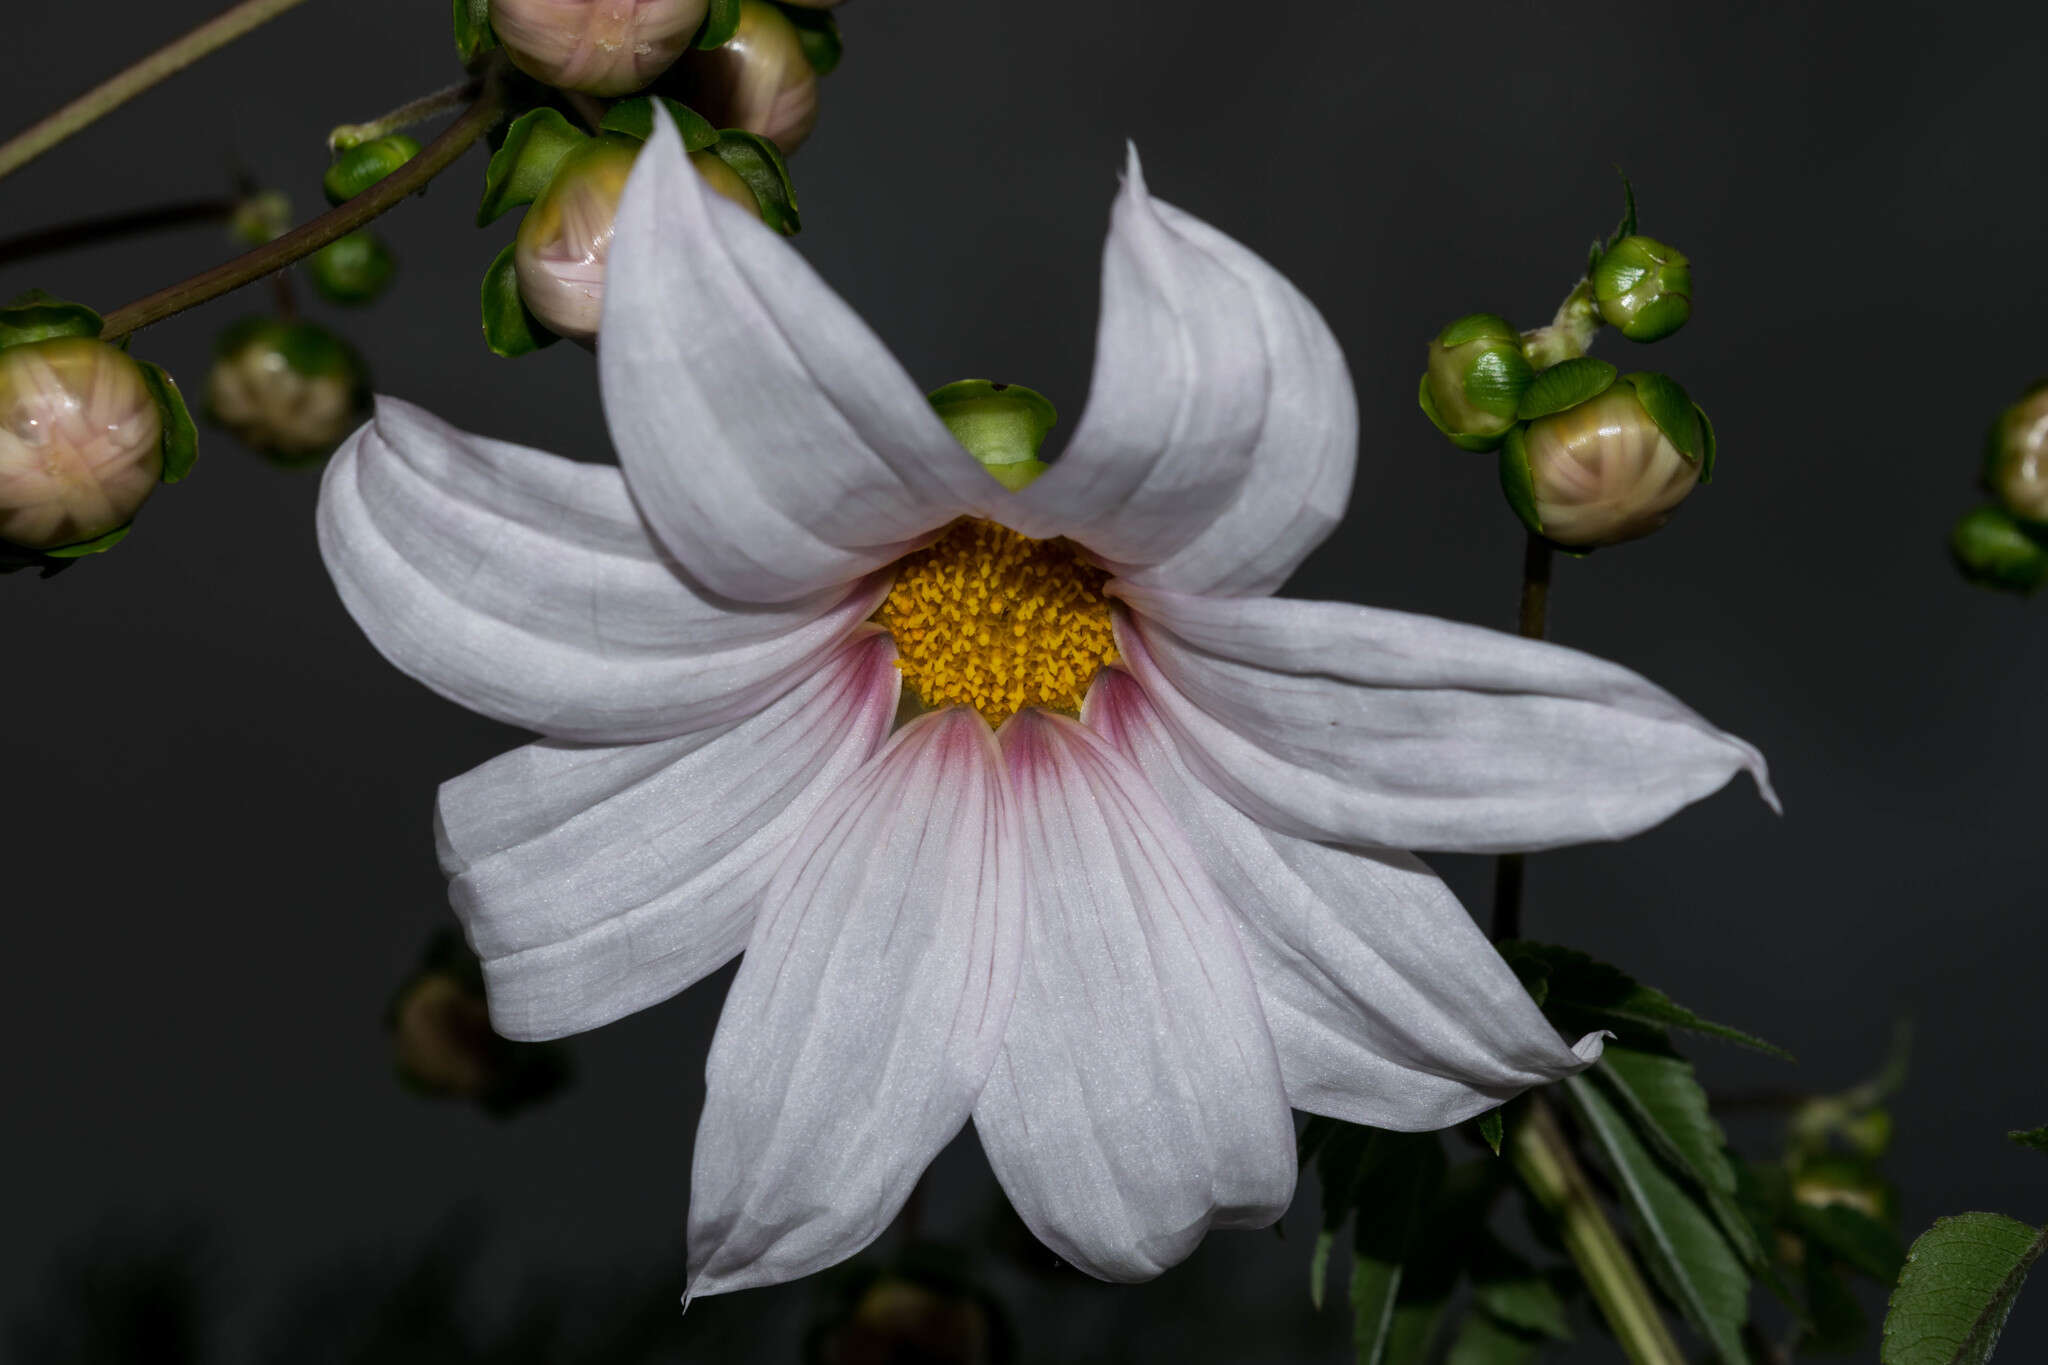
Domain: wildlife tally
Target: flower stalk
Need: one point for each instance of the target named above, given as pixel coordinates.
(1533, 619)
(406, 115)
(111, 94)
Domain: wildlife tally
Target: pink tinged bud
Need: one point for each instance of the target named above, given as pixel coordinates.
(601, 47)
(81, 442)
(1604, 472)
(563, 242)
(761, 81)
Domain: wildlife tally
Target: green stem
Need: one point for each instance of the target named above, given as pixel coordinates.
(1570, 333)
(1544, 1160)
(1508, 868)
(404, 116)
(307, 238)
(110, 95)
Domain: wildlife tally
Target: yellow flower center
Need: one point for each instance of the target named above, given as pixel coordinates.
(984, 617)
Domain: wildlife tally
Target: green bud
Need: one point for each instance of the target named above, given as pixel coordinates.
(1994, 551)
(2016, 458)
(605, 48)
(762, 80)
(261, 217)
(1643, 287)
(288, 390)
(81, 442)
(358, 168)
(443, 1045)
(1611, 469)
(352, 269)
(1001, 425)
(1827, 1180)
(1475, 379)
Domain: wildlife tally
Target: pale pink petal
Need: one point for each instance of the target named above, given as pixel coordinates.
(525, 587)
(1221, 431)
(594, 882)
(1387, 1005)
(866, 1012)
(1137, 1102)
(1337, 722)
(772, 441)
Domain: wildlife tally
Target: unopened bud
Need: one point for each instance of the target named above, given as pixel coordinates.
(898, 1318)
(2016, 457)
(81, 442)
(360, 167)
(760, 81)
(1607, 470)
(290, 391)
(565, 239)
(1476, 376)
(1001, 425)
(1643, 288)
(352, 269)
(1995, 551)
(600, 47)
(443, 1044)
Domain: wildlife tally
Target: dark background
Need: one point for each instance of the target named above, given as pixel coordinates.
(217, 796)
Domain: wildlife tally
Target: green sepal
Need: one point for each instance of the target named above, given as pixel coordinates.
(2036, 1138)
(1491, 1129)
(1458, 439)
(98, 544)
(1625, 228)
(1994, 550)
(1589, 994)
(1565, 385)
(510, 328)
(1477, 327)
(759, 163)
(526, 161)
(1518, 485)
(352, 270)
(1673, 410)
(39, 316)
(1496, 381)
(1960, 1280)
(634, 118)
(1660, 318)
(721, 21)
(818, 31)
(181, 437)
(473, 35)
(1708, 445)
(363, 165)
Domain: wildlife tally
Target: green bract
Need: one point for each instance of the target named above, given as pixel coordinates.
(358, 168)
(1475, 380)
(1001, 425)
(1995, 551)
(526, 161)
(352, 269)
(37, 316)
(2016, 458)
(1643, 287)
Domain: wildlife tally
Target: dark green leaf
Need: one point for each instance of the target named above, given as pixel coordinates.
(818, 31)
(1402, 1175)
(721, 21)
(510, 329)
(1959, 1283)
(1491, 1129)
(2036, 1138)
(760, 164)
(634, 118)
(1594, 995)
(1854, 1238)
(1514, 1292)
(524, 164)
(1685, 1251)
(37, 316)
(181, 438)
(1835, 1321)
(1340, 1153)
(1565, 385)
(473, 36)
(1486, 1341)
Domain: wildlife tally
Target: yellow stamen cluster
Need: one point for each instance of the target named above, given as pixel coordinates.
(984, 617)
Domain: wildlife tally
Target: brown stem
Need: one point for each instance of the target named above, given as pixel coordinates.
(307, 238)
(1509, 870)
(86, 231)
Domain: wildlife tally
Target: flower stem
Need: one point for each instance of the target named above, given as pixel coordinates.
(304, 240)
(86, 231)
(404, 116)
(1544, 1160)
(1569, 335)
(110, 95)
(1508, 869)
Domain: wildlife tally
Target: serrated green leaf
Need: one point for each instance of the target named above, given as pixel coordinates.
(473, 35)
(1959, 1283)
(759, 163)
(1565, 385)
(1672, 409)
(1852, 1237)
(2036, 1138)
(38, 316)
(510, 328)
(818, 31)
(1491, 1129)
(721, 21)
(181, 437)
(1685, 1250)
(1483, 1340)
(634, 118)
(526, 161)
(1595, 995)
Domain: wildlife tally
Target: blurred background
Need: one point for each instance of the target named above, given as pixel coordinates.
(217, 796)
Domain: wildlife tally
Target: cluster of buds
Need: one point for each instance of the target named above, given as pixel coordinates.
(287, 390)
(87, 433)
(2004, 544)
(1587, 456)
(443, 1045)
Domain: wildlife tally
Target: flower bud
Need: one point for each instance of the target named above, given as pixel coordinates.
(362, 166)
(1995, 551)
(900, 1318)
(81, 442)
(443, 1044)
(352, 269)
(1643, 287)
(290, 391)
(760, 81)
(2016, 457)
(600, 47)
(563, 242)
(1476, 376)
(1606, 470)
(1001, 425)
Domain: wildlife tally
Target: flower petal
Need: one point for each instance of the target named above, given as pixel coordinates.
(1221, 431)
(1387, 1004)
(866, 1013)
(1137, 1102)
(1337, 722)
(772, 441)
(594, 882)
(525, 587)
